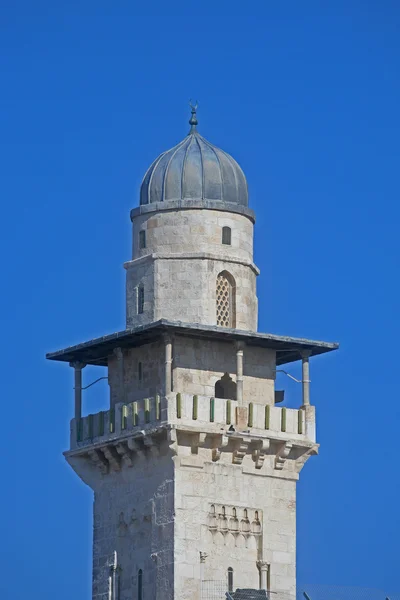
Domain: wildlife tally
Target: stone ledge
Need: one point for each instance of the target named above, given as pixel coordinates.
(196, 203)
(190, 256)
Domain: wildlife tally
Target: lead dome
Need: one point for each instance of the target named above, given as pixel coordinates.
(194, 170)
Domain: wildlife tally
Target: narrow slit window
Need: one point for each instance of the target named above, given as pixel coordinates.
(140, 371)
(230, 579)
(140, 299)
(142, 239)
(140, 585)
(226, 236)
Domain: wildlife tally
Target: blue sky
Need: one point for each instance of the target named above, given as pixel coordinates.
(306, 97)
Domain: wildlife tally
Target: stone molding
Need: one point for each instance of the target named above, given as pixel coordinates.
(190, 256)
(197, 203)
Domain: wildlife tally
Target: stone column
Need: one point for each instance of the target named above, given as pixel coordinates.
(120, 358)
(168, 364)
(263, 568)
(305, 356)
(203, 556)
(78, 366)
(239, 373)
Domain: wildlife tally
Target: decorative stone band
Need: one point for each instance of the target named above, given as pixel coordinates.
(198, 203)
(191, 256)
(267, 456)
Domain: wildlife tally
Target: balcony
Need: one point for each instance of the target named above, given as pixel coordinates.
(200, 413)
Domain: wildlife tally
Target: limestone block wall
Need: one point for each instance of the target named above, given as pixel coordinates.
(141, 274)
(134, 517)
(197, 230)
(179, 265)
(141, 376)
(199, 364)
(259, 524)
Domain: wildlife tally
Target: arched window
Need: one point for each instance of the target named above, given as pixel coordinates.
(230, 579)
(142, 239)
(226, 300)
(140, 299)
(225, 388)
(140, 585)
(226, 236)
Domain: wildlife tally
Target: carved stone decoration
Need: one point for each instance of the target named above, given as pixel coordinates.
(172, 439)
(303, 456)
(125, 454)
(113, 458)
(99, 460)
(222, 443)
(282, 454)
(260, 452)
(240, 452)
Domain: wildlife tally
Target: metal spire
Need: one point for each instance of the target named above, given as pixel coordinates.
(193, 122)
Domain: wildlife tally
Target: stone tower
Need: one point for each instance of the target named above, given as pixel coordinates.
(195, 464)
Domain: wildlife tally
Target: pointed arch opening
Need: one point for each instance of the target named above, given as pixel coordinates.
(225, 388)
(140, 585)
(230, 579)
(226, 300)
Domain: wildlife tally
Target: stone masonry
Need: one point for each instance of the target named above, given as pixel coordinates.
(194, 465)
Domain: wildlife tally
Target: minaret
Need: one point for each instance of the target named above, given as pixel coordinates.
(195, 464)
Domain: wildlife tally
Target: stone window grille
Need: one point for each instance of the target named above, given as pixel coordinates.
(140, 585)
(225, 295)
(226, 236)
(140, 299)
(230, 579)
(142, 239)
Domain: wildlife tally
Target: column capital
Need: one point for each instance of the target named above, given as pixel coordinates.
(203, 556)
(77, 364)
(263, 565)
(306, 353)
(240, 346)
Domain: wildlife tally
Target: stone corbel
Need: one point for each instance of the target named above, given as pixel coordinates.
(222, 443)
(113, 458)
(260, 452)
(173, 441)
(98, 459)
(282, 454)
(302, 458)
(125, 454)
(240, 452)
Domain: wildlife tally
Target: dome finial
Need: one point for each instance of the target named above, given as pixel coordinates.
(193, 122)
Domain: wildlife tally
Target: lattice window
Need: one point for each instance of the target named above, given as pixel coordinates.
(225, 301)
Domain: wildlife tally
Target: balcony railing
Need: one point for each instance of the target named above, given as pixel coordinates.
(185, 410)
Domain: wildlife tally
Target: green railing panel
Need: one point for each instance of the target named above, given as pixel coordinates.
(283, 419)
(267, 416)
(147, 410)
(100, 423)
(90, 426)
(124, 416)
(158, 407)
(112, 420)
(250, 415)
(212, 409)
(228, 412)
(300, 421)
(79, 430)
(178, 406)
(195, 407)
(135, 414)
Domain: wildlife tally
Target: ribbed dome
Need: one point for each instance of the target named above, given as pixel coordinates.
(194, 170)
